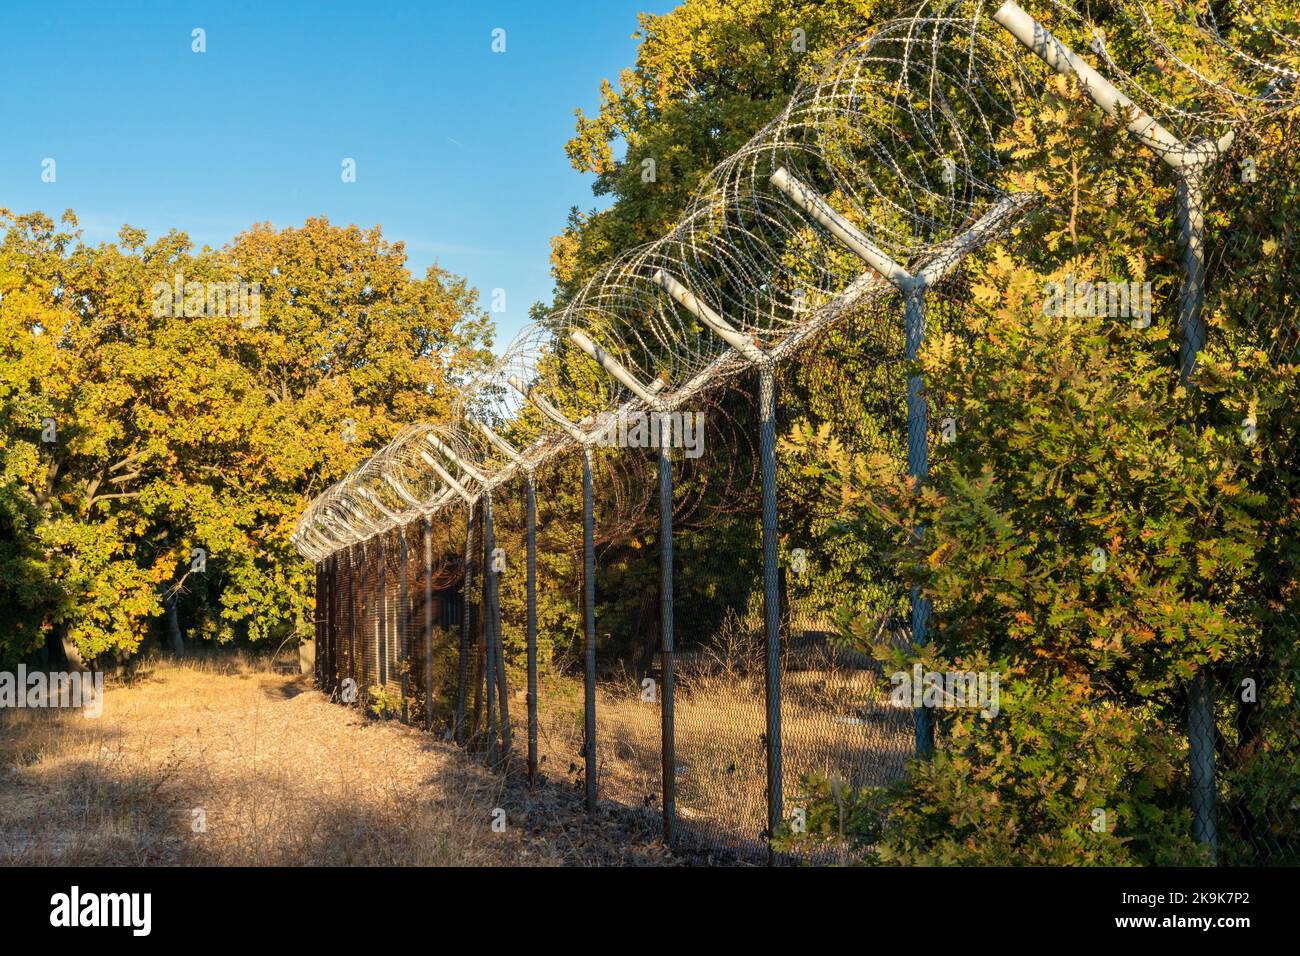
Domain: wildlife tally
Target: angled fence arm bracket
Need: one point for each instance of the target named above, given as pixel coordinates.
(551, 412)
(446, 476)
(712, 321)
(450, 453)
(945, 257)
(499, 443)
(615, 369)
(1043, 44)
(807, 199)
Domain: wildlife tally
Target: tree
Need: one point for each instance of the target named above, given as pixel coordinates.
(708, 75)
(190, 429)
(1098, 532)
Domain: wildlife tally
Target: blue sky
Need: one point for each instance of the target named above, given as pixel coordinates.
(459, 150)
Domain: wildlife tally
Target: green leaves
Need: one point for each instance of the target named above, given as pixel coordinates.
(1077, 439)
(179, 431)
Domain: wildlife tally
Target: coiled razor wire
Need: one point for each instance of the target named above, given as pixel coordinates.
(898, 135)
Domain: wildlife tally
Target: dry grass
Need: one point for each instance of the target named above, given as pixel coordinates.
(283, 777)
(835, 719)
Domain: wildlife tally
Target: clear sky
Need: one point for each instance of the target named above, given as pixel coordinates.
(459, 150)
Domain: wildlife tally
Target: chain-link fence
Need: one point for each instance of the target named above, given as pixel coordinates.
(405, 632)
(1257, 708)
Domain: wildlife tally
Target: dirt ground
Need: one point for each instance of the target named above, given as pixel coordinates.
(224, 761)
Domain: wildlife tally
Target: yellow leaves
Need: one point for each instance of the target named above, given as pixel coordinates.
(944, 349)
(986, 295)
(937, 557)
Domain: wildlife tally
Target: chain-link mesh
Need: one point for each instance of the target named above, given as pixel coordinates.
(840, 731)
(397, 622)
(1258, 751)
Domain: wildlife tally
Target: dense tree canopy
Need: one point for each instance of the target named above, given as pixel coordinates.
(157, 447)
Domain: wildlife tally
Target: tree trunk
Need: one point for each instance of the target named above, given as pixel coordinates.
(174, 635)
(70, 653)
(49, 654)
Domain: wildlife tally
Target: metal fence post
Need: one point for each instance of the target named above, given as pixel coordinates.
(668, 738)
(1200, 737)
(918, 467)
(352, 615)
(403, 636)
(1191, 297)
(360, 626)
(771, 599)
(364, 627)
(428, 622)
(466, 625)
(589, 627)
(479, 648)
(355, 570)
(499, 653)
(318, 627)
(335, 581)
(498, 708)
(489, 643)
(1201, 731)
(381, 617)
(323, 648)
(342, 615)
(530, 520)
(318, 635)
(378, 581)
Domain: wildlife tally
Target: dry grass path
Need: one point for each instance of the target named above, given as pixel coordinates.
(281, 776)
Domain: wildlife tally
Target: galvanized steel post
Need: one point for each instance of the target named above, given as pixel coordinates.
(589, 628)
(530, 490)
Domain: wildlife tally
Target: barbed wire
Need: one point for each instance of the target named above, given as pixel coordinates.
(898, 137)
